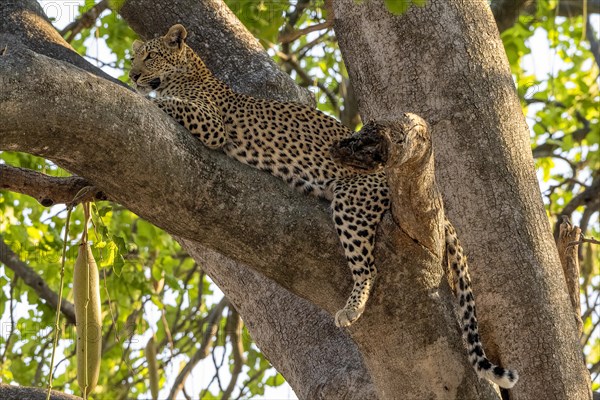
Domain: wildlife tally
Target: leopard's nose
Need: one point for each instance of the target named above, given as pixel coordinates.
(134, 76)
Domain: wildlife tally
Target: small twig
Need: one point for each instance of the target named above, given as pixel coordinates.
(584, 240)
(102, 64)
(590, 35)
(290, 36)
(304, 31)
(35, 281)
(13, 283)
(185, 394)
(176, 325)
(234, 330)
(85, 20)
(291, 61)
(589, 313)
(38, 370)
(301, 51)
(217, 366)
(251, 379)
(590, 197)
(205, 346)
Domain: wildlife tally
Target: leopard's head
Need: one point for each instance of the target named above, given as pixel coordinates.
(153, 61)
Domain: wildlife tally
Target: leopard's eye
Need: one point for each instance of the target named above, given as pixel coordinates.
(151, 55)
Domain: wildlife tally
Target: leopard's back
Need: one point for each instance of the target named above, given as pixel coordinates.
(288, 140)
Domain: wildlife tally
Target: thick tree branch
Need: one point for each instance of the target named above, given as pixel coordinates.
(235, 56)
(23, 23)
(48, 190)
(147, 145)
(232, 51)
(34, 281)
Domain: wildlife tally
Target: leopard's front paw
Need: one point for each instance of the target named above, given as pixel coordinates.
(346, 317)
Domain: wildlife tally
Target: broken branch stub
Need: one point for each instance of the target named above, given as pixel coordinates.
(403, 149)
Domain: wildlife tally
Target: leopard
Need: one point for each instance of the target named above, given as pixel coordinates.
(292, 141)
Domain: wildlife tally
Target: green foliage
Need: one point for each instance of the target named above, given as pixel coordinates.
(262, 17)
(131, 254)
(399, 7)
(111, 29)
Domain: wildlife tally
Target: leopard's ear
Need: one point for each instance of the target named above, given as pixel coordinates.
(175, 37)
(137, 45)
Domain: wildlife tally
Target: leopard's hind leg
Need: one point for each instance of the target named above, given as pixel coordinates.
(358, 205)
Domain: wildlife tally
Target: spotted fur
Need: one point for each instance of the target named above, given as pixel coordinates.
(462, 284)
(290, 141)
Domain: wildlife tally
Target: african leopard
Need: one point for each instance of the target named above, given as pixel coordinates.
(290, 141)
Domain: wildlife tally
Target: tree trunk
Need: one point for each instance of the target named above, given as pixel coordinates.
(445, 62)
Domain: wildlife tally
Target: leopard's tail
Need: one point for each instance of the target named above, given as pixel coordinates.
(504, 378)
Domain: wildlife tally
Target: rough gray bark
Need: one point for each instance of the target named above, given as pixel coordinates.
(28, 393)
(23, 23)
(449, 67)
(48, 190)
(312, 376)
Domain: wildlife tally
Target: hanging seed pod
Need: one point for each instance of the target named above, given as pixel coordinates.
(152, 367)
(86, 293)
(158, 285)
